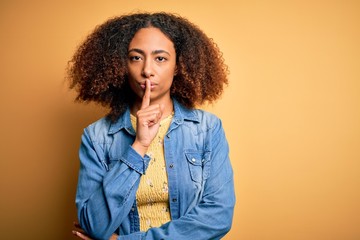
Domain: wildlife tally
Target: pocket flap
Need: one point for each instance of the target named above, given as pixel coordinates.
(194, 158)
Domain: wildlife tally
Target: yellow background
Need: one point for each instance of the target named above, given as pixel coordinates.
(291, 112)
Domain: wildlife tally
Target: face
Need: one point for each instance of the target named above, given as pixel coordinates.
(151, 55)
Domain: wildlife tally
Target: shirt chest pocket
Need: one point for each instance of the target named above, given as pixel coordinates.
(197, 162)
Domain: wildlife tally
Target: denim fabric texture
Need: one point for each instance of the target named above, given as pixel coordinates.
(200, 179)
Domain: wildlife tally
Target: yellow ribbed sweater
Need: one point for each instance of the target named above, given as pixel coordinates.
(152, 195)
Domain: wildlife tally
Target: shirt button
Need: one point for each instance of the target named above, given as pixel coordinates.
(193, 160)
(174, 199)
(132, 209)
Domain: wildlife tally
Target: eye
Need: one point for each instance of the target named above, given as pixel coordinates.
(161, 59)
(134, 58)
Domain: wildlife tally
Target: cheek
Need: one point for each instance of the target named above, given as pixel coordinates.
(168, 77)
(171, 72)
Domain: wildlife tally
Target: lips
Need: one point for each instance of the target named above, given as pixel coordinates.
(143, 85)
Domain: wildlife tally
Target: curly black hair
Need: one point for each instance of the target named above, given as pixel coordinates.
(98, 69)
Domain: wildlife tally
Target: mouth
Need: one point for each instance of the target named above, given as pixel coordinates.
(143, 85)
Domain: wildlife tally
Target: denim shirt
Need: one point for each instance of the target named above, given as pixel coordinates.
(200, 179)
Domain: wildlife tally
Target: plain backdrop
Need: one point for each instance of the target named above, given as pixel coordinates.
(291, 112)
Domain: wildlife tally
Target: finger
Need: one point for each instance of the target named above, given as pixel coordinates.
(81, 235)
(146, 98)
(78, 228)
(150, 110)
(150, 115)
(157, 114)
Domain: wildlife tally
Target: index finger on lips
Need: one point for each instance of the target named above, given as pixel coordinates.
(146, 98)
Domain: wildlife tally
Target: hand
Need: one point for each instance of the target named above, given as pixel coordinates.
(148, 121)
(78, 232)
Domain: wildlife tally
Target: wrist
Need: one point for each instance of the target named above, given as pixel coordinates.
(140, 148)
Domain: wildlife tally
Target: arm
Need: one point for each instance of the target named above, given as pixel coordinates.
(79, 233)
(212, 217)
(104, 198)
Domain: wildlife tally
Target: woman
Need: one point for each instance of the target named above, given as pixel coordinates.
(155, 167)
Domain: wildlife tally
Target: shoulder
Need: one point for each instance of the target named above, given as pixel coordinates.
(206, 117)
(204, 121)
(98, 130)
(199, 117)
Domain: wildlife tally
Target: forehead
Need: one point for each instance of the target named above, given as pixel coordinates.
(151, 39)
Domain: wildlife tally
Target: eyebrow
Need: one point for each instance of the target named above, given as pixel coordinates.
(153, 52)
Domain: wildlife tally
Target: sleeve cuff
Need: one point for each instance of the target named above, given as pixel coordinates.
(135, 161)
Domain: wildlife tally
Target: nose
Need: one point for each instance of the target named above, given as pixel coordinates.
(147, 70)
